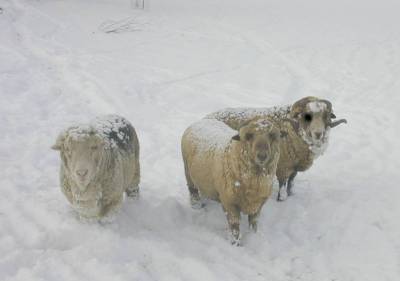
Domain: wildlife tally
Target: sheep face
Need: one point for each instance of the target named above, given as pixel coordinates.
(83, 156)
(260, 139)
(81, 153)
(313, 117)
(314, 122)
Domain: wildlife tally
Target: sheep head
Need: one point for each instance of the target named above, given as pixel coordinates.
(312, 118)
(81, 151)
(260, 139)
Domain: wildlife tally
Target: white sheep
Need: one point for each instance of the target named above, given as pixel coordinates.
(304, 127)
(100, 161)
(236, 169)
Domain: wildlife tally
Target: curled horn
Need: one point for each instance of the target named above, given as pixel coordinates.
(333, 116)
(337, 122)
(328, 104)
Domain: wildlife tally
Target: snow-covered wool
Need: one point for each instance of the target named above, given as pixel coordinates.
(236, 169)
(304, 126)
(100, 161)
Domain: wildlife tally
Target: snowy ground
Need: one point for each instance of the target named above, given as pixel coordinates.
(172, 64)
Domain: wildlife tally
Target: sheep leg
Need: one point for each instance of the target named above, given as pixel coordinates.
(112, 205)
(282, 194)
(132, 190)
(290, 183)
(195, 199)
(233, 216)
(253, 219)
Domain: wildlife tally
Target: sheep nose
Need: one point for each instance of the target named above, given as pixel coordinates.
(318, 135)
(262, 156)
(81, 172)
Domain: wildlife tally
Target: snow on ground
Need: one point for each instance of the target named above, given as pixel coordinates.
(167, 67)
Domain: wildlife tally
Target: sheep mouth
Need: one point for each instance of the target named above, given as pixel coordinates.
(316, 142)
(319, 142)
(82, 183)
(261, 162)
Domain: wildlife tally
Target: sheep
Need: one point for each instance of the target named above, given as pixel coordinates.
(234, 168)
(99, 162)
(304, 126)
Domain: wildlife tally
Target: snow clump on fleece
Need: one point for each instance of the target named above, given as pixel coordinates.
(316, 106)
(108, 127)
(209, 133)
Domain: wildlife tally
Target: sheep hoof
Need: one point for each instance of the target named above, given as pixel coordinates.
(236, 243)
(236, 239)
(133, 193)
(282, 195)
(253, 227)
(196, 203)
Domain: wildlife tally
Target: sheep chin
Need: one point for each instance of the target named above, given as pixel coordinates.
(317, 147)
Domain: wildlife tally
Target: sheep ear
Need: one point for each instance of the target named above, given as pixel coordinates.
(333, 116)
(59, 142)
(56, 147)
(236, 137)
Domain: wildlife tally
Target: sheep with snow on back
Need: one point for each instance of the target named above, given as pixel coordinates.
(304, 128)
(236, 169)
(99, 162)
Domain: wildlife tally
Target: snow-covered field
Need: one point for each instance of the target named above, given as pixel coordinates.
(166, 67)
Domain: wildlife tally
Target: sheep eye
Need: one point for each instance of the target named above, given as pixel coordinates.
(249, 136)
(308, 117)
